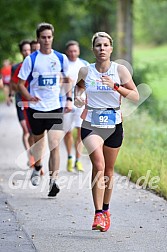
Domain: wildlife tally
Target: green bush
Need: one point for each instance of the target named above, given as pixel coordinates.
(2, 97)
(154, 105)
(144, 151)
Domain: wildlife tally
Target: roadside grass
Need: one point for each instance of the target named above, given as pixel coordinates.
(2, 97)
(155, 59)
(143, 153)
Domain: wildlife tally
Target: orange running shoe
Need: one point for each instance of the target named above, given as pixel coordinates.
(99, 222)
(106, 215)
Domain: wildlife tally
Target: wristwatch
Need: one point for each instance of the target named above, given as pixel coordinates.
(69, 98)
(116, 86)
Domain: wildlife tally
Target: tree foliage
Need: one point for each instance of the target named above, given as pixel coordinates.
(150, 21)
(76, 19)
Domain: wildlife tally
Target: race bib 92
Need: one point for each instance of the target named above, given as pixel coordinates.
(103, 118)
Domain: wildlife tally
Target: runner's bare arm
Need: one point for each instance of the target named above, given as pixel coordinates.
(1, 83)
(80, 87)
(67, 83)
(128, 88)
(24, 92)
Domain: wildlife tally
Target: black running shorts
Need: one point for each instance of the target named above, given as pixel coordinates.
(41, 120)
(112, 137)
(20, 113)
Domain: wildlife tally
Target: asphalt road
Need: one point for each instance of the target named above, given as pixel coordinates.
(30, 221)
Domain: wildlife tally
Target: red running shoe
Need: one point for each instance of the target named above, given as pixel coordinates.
(106, 215)
(99, 222)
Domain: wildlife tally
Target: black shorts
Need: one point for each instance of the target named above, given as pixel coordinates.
(26, 117)
(20, 113)
(40, 120)
(112, 137)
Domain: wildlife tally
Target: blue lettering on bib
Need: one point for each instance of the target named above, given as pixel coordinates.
(44, 81)
(103, 88)
(103, 118)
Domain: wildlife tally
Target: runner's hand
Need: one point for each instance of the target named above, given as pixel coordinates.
(79, 101)
(33, 99)
(106, 80)
(68, 107)
(9, 100)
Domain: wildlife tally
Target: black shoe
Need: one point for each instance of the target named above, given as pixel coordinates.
(54, 189)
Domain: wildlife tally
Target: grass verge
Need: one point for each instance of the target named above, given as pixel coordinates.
(143, 153)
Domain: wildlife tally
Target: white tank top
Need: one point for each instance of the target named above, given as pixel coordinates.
(100, 95)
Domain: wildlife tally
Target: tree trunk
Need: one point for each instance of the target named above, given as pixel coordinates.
(124, 30)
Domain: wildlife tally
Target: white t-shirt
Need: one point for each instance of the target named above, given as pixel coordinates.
(45, 83)
(73, 70)
(74, 67)
(100, 95)
(73, 119)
